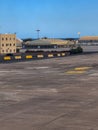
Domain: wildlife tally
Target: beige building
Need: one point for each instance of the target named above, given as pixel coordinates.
(19, 43)
(7, 43)
(89, 38)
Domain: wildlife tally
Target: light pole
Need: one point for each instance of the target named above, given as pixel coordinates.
(38, 33)
(79, 34)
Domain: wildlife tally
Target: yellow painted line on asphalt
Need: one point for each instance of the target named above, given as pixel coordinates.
(7, 58)
(17, 57)
(29, 57)
(40, 56)
(75, 72)
(50, 55)
(82, 68)
(79, 70)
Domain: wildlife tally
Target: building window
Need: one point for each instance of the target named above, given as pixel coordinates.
(10, 44)
(6, 38)
(6, 50)
(14, 44)
(7, 44)
(13, 38)
(2, 39)
(2, 50)
(10, 38)
(2, 44)
(55, 46)
(14, 50)
(10, 50)
(38, 47)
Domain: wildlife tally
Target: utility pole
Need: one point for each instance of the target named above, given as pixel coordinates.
(38, 33)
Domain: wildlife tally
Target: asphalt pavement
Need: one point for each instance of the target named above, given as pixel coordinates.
(50, 94)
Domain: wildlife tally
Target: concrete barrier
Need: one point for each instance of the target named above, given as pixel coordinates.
(7, 58)
(31, 56)
(18, 57)
(40, 56)
(50, 55)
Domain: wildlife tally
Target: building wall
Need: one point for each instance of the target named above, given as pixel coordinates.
(7, 43)
(19, 43)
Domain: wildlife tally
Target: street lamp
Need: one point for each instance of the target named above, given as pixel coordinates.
(38, 33)
(79, 34)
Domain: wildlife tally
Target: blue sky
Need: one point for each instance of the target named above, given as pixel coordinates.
(55, 18)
